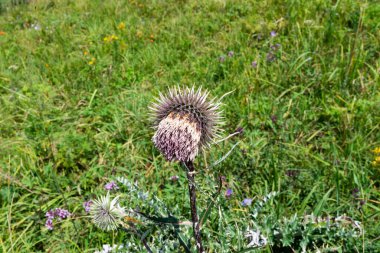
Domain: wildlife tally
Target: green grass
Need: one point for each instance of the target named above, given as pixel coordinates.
(74, 110)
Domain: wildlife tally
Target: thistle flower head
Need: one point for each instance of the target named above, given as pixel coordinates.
(185, 122)
(107, 214)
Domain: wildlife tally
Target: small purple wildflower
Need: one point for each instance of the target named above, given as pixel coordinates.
(50, 214)
(230, 53)
(62, 213)
(174, 178)
(246, 202)
(49, 224)
(228, 193)
(254, 64)
(273, 34)
(222, 58)
(56, 213)
(362, 202)
(111, 186)
(87, 206)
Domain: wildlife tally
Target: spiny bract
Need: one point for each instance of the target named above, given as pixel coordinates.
(185, 121)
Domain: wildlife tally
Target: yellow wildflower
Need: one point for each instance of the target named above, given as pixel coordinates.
(85, 53)
(107, 39)
(121, 26)
(110, 38)
(92, 62)
(376, 150)
(376, 162)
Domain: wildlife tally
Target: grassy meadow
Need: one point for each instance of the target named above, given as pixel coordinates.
(77, 78)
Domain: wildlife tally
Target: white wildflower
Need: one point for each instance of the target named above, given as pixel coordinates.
(107, 214)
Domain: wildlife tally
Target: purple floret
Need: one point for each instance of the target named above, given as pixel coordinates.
(246, 202)
(50, 214)
(87, 206)
(111, 186)
(49, 224)
(229, 192)
(62, 213)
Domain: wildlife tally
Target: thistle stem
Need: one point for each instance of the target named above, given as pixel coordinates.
(146, 245)
(193, 205)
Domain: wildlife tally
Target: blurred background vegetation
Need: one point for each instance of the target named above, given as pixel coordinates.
(77, 77)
